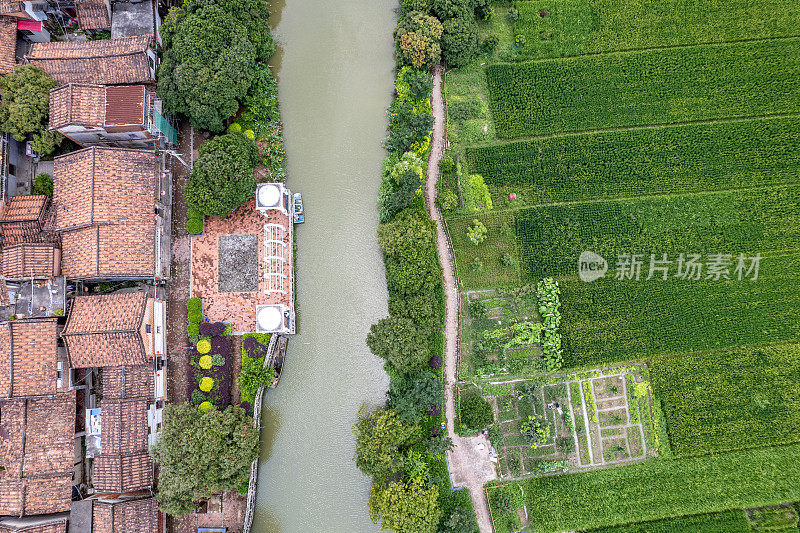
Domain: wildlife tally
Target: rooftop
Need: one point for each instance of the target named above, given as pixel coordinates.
(8, 44)
(128, 382)
(104, 330)
(225, 283)
(107, 61)
(30, 260)
(93, 14)
(28, 358)
(139, 516)
(97, 105)
(124, 464)
(24, 208)
(37, 449)
(133, 18)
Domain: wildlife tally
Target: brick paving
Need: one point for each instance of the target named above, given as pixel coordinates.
(238, 308)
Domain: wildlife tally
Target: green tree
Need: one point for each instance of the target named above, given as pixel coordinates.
(448, 9)
(400, 185)
(460, 521)
(476, 232)
(414, 394)
(43, 184)
(25, 107)
(405, 507)
(420, 308)
(476, 413)
(222, 177)
(380, 439)
(459, 41)
(401, 342)
(407, 126)
(200, 454)
(409, 245)
(210, 51)
(252, 377)
(417, 38)
(439, 443)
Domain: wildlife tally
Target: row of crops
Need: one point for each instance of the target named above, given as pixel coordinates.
(638, 162)
(627, 89)
(577, 27)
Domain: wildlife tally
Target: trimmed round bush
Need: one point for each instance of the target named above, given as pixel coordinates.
(193, 329)
(205, 362)
(234, 127)
(206, 384)
(194, 304)
(195, 316)
(217, 360)
(205, 406)
(476, 413)
(204, 346)
(435, 362)
(198, 397)
(250, 134)
(195, 226)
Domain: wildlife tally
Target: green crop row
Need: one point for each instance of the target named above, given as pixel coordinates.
(722, 401)
(734, 521)
(628, 163)
(551, 238)
(608, 321)
(575, 27)
(655, 490)
(663, 86)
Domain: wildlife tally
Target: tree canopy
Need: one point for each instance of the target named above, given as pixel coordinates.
(413, 396)
(222, 177)
(417, 39)
(409, 244)
(405, 507)
(210, 50)
(459, 41)
(380, 438)
(25, 107)
(200, 454)
(400, 341)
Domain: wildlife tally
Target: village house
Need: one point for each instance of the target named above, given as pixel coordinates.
(111, 207)
(40, 427)
(22, 220)
(93, 14)
(126, 116)
(130, 513)
(122, 61)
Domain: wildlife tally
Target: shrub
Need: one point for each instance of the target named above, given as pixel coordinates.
(512, 15)
(195, 316)
(194, 304)
(205, 361)
(476, 413)
(413, 83)
(217, 360)
(447, 200)
(193, 329)
(206, 384)
(204, 346)
(253, 376)
(489, 44)
(448, 9)
(447, 163)
(459, 41)
(195, 226)
(459, 110)
(43, 184)
(198, 397)
(477, 232)
(233, 128)
(205, 406)
(435, 362)
(476, 194)
(519, 40)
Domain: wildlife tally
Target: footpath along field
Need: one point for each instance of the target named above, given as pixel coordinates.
(657, 132)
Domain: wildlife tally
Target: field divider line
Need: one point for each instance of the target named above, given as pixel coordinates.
(586, 422)
(637, 127)
(648, 48)
(599, 428)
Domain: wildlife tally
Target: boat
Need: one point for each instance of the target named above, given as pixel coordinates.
(276, 361)
(297, 208)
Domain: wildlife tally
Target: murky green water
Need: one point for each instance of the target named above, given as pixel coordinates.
(335, 69)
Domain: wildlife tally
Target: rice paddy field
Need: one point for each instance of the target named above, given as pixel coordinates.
(664, 137)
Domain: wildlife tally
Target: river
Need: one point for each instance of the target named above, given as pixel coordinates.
(335, 71)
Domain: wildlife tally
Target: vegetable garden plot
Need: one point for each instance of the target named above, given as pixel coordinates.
(609, 321)
(663, 86)
(720, 401)
(551, 238)
(669, 160)
(734, 521)
(654, 490)
(482, 266)
(574, 27)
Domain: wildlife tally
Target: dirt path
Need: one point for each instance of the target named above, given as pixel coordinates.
(469, 460)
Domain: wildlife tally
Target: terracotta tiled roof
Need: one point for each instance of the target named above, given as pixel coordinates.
(8, 44)
(56, 526)
(104, 330)
(38, 260)
(108, 61)
(135, 516)
(11, 6)
(92, 14)
(128, 382)
(24, 208)
(37, 448)
(125, 105)
(28, 358)
(77, 104)
(115, 190)
(124, 464)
